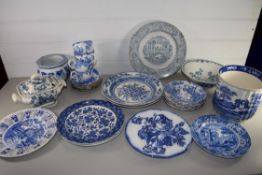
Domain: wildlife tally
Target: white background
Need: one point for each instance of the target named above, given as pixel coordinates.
(220, 30)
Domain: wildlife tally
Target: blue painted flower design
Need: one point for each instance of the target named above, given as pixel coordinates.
(158, 132)
(133, 91)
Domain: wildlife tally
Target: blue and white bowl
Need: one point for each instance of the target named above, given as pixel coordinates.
(83, 48)
(184, 95)
(53, 65)
(238, 92)
(202, 72)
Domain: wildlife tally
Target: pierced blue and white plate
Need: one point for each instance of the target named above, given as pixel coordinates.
(184, 95)
(158, 134)
(26, 131)
(90, 122)
(132, 89)
(220, 137)
(157, 48)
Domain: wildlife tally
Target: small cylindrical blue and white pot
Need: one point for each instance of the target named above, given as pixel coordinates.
(83, 47)
(238, 92)
(53, 65)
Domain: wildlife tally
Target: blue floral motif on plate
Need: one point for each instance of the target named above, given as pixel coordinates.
(158, 134)
(90, 122)
(132, 89)
(220, 137)
(26, 131)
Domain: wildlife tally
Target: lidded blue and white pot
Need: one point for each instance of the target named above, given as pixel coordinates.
(238, 92)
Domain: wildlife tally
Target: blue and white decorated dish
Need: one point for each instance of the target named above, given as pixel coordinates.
(157, 48)
(90, 122)
(184, 95)
(132, 89)
(26, 131)
(158, 134)
(53, 65)
(85, 80)
(239, 92)
(220, 137)
(202, 72)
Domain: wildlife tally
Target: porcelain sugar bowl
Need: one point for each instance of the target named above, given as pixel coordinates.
(238, 92)
(39, 91)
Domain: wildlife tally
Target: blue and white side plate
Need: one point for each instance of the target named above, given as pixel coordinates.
(157, 48)
(132, 89)
(158, 134)
(90, 122)
(184, 95)
(26, 131)
(220, 137)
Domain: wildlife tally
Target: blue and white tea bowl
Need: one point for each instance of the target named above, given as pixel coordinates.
(83, 47)
(81, 66)
(53, 65)
(238, 92)
(202, 72)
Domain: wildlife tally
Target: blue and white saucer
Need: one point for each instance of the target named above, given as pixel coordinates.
(184, 95)
(26, 131)
(220, 137)
(158, 134)
(90, 122)
(132, 89)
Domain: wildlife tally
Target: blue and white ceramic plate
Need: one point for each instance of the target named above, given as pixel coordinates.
(132, 89)
(26, 131)
(157, 48)
(184, 95)
(202, 72)
(90, 122)
(158, 134)
(220, 137)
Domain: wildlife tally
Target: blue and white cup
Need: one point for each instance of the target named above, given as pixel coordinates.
(86, 58)
(80, 66)
(238, 92)
(83, 48)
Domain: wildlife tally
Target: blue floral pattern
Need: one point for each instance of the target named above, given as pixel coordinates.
(90, 122)
(26, 131)
(131, 89)
(159, 133)
(220, 137)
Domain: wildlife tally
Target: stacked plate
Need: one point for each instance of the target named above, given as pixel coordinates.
(132, 89)
(184, 95)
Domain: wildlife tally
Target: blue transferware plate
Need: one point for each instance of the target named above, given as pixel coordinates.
(90, 122)
(26, 131)
(184, 94)
(157, 48)
(220, 137)
(158, 134)
(202, 72)
(132, 89)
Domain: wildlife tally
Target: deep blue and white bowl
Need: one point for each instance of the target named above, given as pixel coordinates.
(238, 92)
(53, 65)
(202, 72)
(184, 95)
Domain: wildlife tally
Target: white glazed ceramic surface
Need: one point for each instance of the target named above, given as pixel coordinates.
(203, 72)
(239, 91)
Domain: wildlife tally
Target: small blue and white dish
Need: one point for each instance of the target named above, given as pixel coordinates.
(157, 48)
(220, 137)
(90, 122)
(184, 95)
(239, 92)
(39, 91)
(83, 47)
(53, 65)
(158, 134)
(26, 131)
(85, 80)
(202, 72)
(132, 89)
